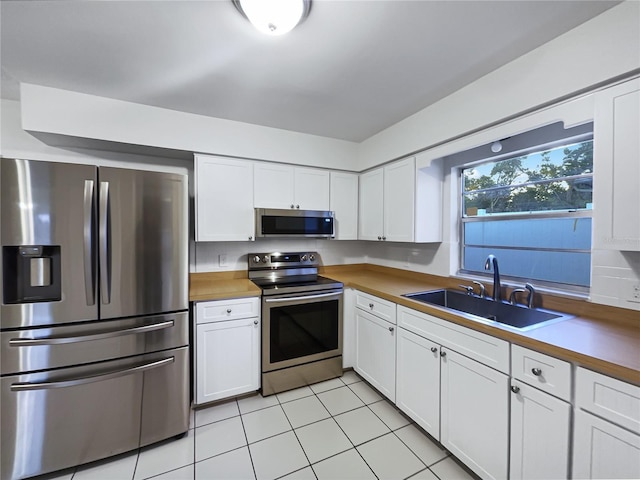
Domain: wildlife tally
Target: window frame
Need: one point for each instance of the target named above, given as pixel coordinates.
(563, 213)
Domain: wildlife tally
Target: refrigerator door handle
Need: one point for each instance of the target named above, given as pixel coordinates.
(89, 276)
(105, 243)
(33, 342)
(26, 386)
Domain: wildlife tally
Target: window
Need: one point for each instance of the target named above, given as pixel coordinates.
(533, 212)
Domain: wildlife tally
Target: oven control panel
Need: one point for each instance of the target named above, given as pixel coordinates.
(283, 260)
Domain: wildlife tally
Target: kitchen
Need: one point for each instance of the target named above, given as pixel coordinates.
(111, 132)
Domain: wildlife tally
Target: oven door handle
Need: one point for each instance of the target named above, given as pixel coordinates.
(305, 297)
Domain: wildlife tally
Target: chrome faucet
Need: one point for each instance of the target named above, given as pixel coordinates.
(497, 288)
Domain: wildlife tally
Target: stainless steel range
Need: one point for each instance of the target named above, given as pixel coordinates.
(301, 320)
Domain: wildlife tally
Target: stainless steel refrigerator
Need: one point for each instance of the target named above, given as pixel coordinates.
(94, 319)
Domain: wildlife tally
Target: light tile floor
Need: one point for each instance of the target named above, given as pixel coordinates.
(338, 429)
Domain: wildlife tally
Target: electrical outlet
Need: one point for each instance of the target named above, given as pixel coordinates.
(632, 290)
(222, 260)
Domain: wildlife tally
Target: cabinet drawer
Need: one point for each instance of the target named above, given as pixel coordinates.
(377, 306)
(221, 310)
(541, 371)
(616, 401)
(486, 349)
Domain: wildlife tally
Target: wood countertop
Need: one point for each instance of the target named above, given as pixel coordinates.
(221, 286)
(608, 341)
(597, 337)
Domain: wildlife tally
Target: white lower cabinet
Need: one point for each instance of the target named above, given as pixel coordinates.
(375, 356)
(227, 354)
(539, 434)
(418, 380)
(474, 422)
(604, 450)
(607, 447)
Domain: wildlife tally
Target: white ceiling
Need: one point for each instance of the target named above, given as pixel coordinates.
(350, 70)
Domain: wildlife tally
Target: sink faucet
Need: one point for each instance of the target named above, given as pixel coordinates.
(497, 288)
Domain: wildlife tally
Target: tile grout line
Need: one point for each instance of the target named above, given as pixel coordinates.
(345, 433)
(246, 439)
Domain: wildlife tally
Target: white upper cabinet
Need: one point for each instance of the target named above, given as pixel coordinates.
(273, 185)
(311, 188)
(398, 204)
(223, 199)
(285, 186)
(371, 205)
(399, 201)
(617, 167)
(344, 203)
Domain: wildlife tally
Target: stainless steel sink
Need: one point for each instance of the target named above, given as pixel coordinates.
(516, 316)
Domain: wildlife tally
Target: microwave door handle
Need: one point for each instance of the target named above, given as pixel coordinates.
(22, 387)
(306, 297)
(105, 243)
(89, 276)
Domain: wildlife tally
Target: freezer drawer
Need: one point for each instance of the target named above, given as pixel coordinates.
(57, 419)
(60, 346)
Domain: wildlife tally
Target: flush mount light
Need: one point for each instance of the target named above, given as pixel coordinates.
(274, 17)
(496, 146)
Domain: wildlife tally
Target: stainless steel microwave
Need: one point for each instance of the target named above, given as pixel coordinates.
(294, 223)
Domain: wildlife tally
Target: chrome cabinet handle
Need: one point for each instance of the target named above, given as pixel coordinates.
(105, 243)
(391, 329)
(33, 342)
(89, 277)
(250, 238)
(298, 206)
(384, 238)
(515, 389)
(371, 306)
(536, 371)
(255, 322)
(292, 205)
(379, 237)
(443, 353)
(434, 349)
(228, 310)
(21, 387)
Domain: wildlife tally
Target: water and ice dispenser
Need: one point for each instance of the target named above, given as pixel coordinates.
(31, 273)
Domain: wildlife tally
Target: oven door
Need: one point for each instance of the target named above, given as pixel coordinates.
(301, 328)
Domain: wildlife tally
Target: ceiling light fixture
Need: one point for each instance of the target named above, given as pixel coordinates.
(496, 146)
(274, 17)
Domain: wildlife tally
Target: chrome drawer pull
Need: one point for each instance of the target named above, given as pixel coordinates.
(515, 389)
(536, 371)
(21, 387)
(32, 342)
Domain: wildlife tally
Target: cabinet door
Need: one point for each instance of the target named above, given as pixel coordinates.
(370, 205)
(344, 202)
(418, 380)
(539, 434)
(273, 185)
(376, 352)
(399, 201)
(474, 422)
(224, 199)
(604, 450)
(311, 189)
(227, 359)
(616, 165)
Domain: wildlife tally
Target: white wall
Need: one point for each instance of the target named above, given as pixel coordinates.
(603, 48)
(72, 114)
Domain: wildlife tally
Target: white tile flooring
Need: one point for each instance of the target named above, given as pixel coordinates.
(338, 429)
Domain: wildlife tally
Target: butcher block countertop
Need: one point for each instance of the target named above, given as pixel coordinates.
(598, 337)
(221, 286)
